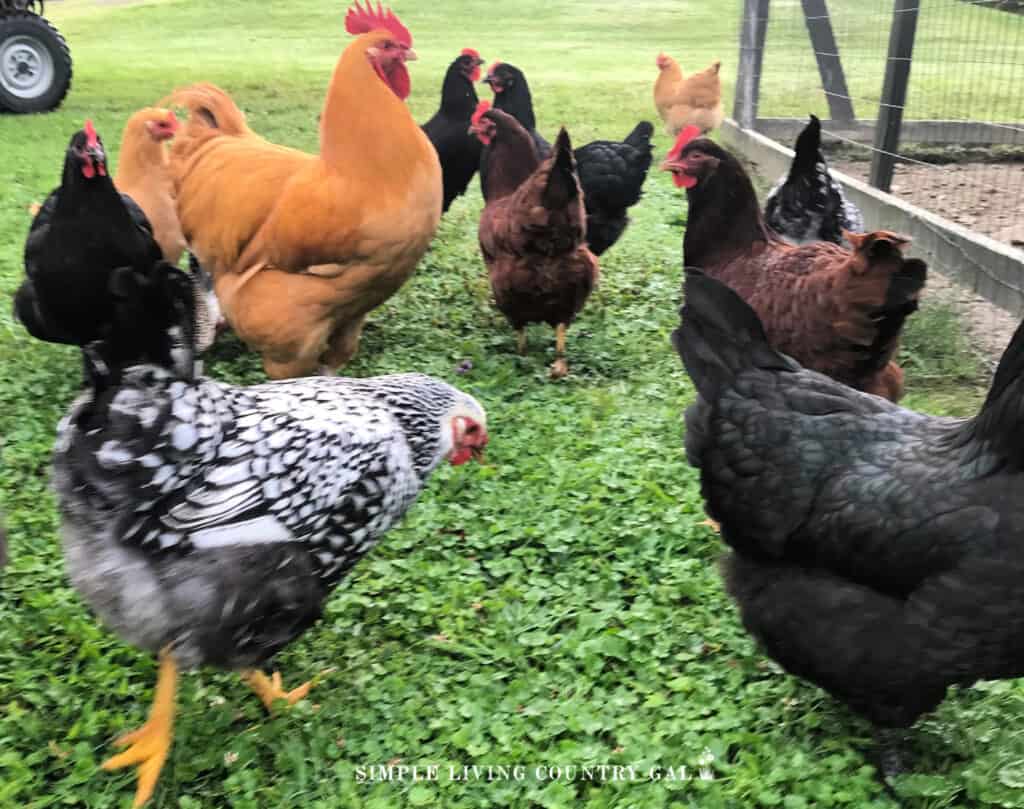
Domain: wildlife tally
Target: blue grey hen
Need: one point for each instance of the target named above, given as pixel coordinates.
(877, 552)
(209, 522)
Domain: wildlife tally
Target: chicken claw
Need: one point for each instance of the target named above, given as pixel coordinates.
(149, 745)
(714, 526)
(270, 689)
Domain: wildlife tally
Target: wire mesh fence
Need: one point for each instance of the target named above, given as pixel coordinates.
(959, 153)
(961, 145)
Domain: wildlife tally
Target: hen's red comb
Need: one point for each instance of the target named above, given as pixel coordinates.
(91, 138)
(470, 52)
(493, 67)
(689, 133)
(481, 108)
(361, 20)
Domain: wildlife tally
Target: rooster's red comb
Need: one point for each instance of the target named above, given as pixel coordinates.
(689, 133)
(478, 113)
(91, 138)
(470, 52)
(361, 20)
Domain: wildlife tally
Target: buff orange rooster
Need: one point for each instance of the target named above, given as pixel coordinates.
(301, 246)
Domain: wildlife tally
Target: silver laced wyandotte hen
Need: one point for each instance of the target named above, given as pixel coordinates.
(208, 522)
(807, 204)
(877, 552)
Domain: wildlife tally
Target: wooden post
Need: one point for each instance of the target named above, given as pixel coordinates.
(748, 76)
(894, 93)
(826, 51)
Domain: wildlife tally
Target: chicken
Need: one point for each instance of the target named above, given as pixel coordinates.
(142, 174)
(512, 96)
(209, 523)
(302, 247)
(694, 100)
(877, 552)
(836, 311)
(448, 129)
(807, 204)
(84, 230)
(611, 173)
(533, 231)
(80, 235)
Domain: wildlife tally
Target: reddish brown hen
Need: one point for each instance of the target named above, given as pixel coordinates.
(533, 230)
(837, 311)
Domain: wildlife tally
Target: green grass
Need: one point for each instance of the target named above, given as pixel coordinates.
(560, 605)
(966, 61)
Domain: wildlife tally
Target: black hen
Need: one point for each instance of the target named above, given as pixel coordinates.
(448, 130)
(808, 205)
(84, 230)
(611, 173)
(877, 552)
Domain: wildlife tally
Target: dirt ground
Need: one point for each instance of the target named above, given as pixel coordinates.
(985, 197)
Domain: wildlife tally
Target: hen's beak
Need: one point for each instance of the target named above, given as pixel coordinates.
(410, 55)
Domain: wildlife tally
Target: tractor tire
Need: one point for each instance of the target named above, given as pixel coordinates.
(35, 63)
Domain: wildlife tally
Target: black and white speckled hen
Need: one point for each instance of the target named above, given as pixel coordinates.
(209, 522)
(808, 204)
(877, 552)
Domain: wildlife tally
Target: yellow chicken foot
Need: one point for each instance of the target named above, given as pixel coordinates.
(521, 340)
(150, 744)
(560, 367)
(714, 526)
(270, 689)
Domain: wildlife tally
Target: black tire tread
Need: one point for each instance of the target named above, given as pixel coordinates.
(63, 56)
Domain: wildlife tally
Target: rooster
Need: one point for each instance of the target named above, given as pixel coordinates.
(611, 173)
(836, 311)
(533, 231)
(302, 247)
(209, 523)
(807, 204)
(448, 129)
(877, 552)
(694, 100)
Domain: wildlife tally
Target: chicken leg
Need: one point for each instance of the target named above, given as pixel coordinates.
(521, 340)
(560, 367)
(343, 344)
(150, 744)
(270, 689)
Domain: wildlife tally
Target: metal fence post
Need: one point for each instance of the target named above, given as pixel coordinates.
(748, 76)
(826, 51)
(894, 92)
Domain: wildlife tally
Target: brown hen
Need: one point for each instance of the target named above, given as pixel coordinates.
(533, 230)
(836, 311)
